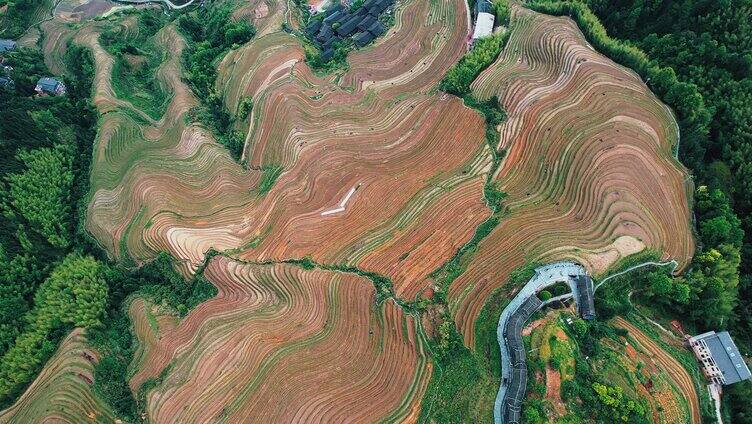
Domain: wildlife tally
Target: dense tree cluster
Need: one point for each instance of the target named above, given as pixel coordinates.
(18, 17)
(457, 81)
(74, 295)
(210, 33)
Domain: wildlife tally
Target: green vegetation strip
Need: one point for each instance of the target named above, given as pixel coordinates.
(211, 33)
(136, 62)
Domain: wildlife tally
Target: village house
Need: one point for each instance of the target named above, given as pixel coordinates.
(7, 45)
(719, 358)
(50, 86)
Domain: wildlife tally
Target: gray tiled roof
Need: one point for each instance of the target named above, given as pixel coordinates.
(48, 84)
(726, 355)
(6, 45)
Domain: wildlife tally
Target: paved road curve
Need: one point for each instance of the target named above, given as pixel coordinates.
(545, 276)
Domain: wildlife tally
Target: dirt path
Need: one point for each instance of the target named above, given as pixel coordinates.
(553, 390)
(670, 365)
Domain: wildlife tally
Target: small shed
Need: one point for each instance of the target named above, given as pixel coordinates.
(483, 6)
(483, 25)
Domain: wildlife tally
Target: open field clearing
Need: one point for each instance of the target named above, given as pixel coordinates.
(62, 391)
(589, 167)
(282, 344)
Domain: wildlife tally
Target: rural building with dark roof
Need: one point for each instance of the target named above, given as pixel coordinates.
(334, 17)
(7, 45)
(586, 303)
(313, 28)
(719, 358)
(363, 38)
(6, 82)
(51, 86)
(348, 27)
(327, 54)
(366, 22)
(324, 34)
(376, 29)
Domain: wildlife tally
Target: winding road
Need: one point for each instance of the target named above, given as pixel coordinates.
(545, 276)
(644, 264)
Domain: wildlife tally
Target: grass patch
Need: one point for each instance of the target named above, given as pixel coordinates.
(464, 384)
(268, 178)
(136, 63)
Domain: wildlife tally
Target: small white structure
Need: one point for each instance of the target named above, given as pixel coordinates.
(483, 25)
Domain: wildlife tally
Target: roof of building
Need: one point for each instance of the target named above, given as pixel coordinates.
(362, 11)
(313, 27)
(48, 84)
(483, 25)
(376, 29)
(586, 302)
(6, 45)
(483, 6)
(348, 27)
(5, 82)
(366, 22)
(342, 19)
(363, 38)
(327, 54)
(333, 17)
(324, 33)
(726, 356)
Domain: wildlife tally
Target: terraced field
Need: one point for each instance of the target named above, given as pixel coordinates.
(62, 391)
(589, 169)
(167, 186)
(379, 171)
(282, 344)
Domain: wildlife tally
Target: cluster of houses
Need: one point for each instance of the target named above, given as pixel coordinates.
(340, 23)
(46, 86)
